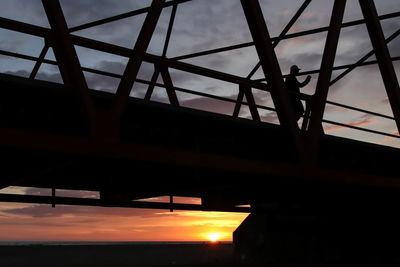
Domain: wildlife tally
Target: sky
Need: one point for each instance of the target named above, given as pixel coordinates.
(199, 25)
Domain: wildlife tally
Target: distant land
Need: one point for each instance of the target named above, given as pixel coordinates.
(116, 254)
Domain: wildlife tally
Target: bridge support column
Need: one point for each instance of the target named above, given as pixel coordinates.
(340, 239)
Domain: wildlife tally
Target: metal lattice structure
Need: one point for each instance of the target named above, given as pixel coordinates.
(103, 125)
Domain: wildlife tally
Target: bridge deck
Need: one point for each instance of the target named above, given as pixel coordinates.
(165, 150)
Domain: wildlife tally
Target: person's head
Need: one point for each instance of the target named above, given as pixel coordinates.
(294, 69)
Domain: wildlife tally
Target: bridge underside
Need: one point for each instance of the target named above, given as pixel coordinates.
(164, 150)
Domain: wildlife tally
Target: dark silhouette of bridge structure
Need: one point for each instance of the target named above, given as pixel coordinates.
(68, 136)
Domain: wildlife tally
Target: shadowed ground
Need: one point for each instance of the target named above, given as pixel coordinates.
(117, 255)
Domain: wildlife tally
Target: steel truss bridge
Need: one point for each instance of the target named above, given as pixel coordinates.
(67, 136)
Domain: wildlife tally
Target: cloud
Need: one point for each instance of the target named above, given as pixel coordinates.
(287, 11)
(360, 122)
(200, 27)
(271, 117)
(27, 11)
(83, 11)
(60, 192)
(111, 66)
(44, 211)
(13, 43)
(210, 104)
(389, 139)
(94, 81)
(41, 222)
(37, 191)
(51, 77)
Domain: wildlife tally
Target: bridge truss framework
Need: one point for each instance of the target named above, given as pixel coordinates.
(104, 125)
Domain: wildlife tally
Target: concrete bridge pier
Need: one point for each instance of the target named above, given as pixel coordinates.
(342, 238)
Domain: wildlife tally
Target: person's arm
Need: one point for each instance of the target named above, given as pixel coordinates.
(306, 81)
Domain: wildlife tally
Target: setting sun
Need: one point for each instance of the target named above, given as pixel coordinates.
(214, 236)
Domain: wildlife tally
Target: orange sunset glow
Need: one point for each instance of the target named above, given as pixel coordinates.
(214, 237)
(123, 225)
(79, 223)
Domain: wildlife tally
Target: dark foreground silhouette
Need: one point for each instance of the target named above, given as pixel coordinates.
(293, 86)
(153, 255)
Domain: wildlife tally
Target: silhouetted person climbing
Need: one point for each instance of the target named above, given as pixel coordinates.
(293, 85)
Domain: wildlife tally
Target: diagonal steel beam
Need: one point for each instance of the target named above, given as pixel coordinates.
(152, 84)
(238, 103)
(153, 59)
(276, 42)
(125, 52)
(245, 90)
(101, 46)
(136, 58)
(44, 32)
(26, 28)
(169, 31)
(156, 73)
(285, 37)
(122, 16)
(340, 67)
(363, 59)
(283, 33)
(250, 100)
(383, 57)
(39, 60)
(173, 99)
(272, 72)
(66, 56)
(109, 19)
(321, 92)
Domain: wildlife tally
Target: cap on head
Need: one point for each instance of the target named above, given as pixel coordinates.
(294, 68)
